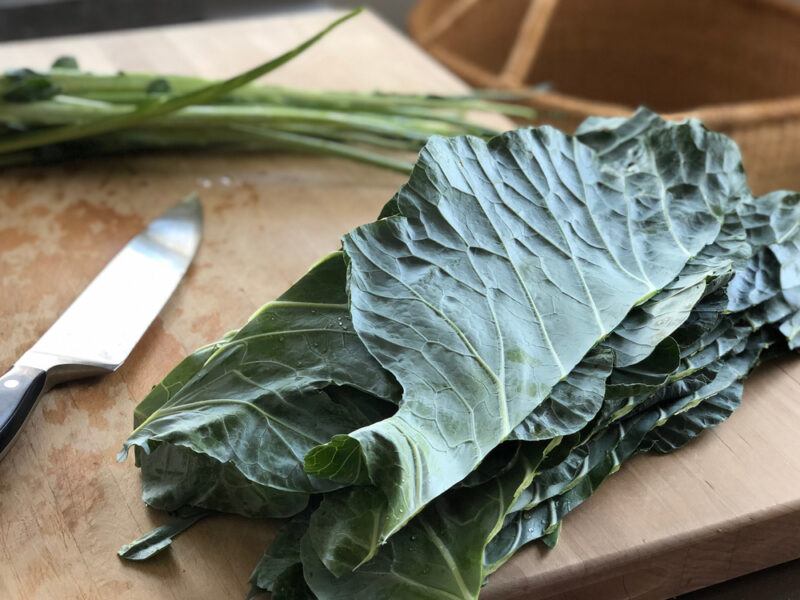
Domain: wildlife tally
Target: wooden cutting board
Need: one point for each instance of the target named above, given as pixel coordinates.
(726, 505)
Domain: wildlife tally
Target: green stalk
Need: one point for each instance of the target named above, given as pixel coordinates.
(159, 107)
(301, 142)
(64, 113)
(132, 87)
(383, 125)
(246, 138)
(64, 110)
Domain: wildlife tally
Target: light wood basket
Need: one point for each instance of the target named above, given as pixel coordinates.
(735, 64)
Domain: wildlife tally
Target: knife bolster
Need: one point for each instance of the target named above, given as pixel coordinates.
(63, 368)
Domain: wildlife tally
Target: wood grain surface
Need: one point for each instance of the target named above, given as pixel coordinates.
(726, 505)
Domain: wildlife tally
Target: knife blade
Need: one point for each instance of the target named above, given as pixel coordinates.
(99, 330)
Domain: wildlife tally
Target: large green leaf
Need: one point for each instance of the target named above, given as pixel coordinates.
(619, 142)
(570, 481)
(648, 324)
(772, 276)
(625, 389)
(572, 402)
(174, 477)
(282, 554)
(449, 549)
(176, 379)
(686, 425)
(717, 388)
(291, 585)
(701, 333)
(507, 263)
(249, 408)
(589, 381)
(682, 428)
(438, 555)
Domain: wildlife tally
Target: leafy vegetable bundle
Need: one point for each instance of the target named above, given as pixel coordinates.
(65, 113)
(524, 316)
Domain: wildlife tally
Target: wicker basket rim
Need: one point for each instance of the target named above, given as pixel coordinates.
(717, 115)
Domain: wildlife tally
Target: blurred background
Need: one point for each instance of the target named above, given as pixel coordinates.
(23, 19)
(736, 66)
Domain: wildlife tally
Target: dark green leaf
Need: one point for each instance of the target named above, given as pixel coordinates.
(437, 555)
(497, 247)
(282, 554)
(263, 382)
(290, 585)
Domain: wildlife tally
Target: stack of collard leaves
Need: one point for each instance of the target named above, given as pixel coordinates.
(524, 316)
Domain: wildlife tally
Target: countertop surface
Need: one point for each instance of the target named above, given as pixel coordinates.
(726, 505)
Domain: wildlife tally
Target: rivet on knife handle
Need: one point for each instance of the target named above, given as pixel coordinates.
(20, 388)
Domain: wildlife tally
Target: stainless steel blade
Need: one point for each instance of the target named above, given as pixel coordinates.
(99, 330)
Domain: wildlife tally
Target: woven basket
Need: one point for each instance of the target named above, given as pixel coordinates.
(735, 64)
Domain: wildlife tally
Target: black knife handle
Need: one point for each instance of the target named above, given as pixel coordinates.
(20, 388)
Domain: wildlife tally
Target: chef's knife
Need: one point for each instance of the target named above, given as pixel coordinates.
(98, 331)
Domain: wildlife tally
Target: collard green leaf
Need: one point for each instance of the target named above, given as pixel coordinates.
(174, 477)
(771, 218)
(551, 539)
(646, 375)
(791, 329)
(623, 390)
(731, 337)
(463, 522)
(773, 228)
(291, 585)
(251, 406)
(619, 141)
(466, 295)
(572, 403)
(557, 476)
(634, 434)
(756, 282)
(526, 526)
(576, 455)
(686, 425)
(282, 554)
(176, 379)
(706, 274)
(682, 428)
(497, 462)
(626, 388)
(647, 325)
(438, 554)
